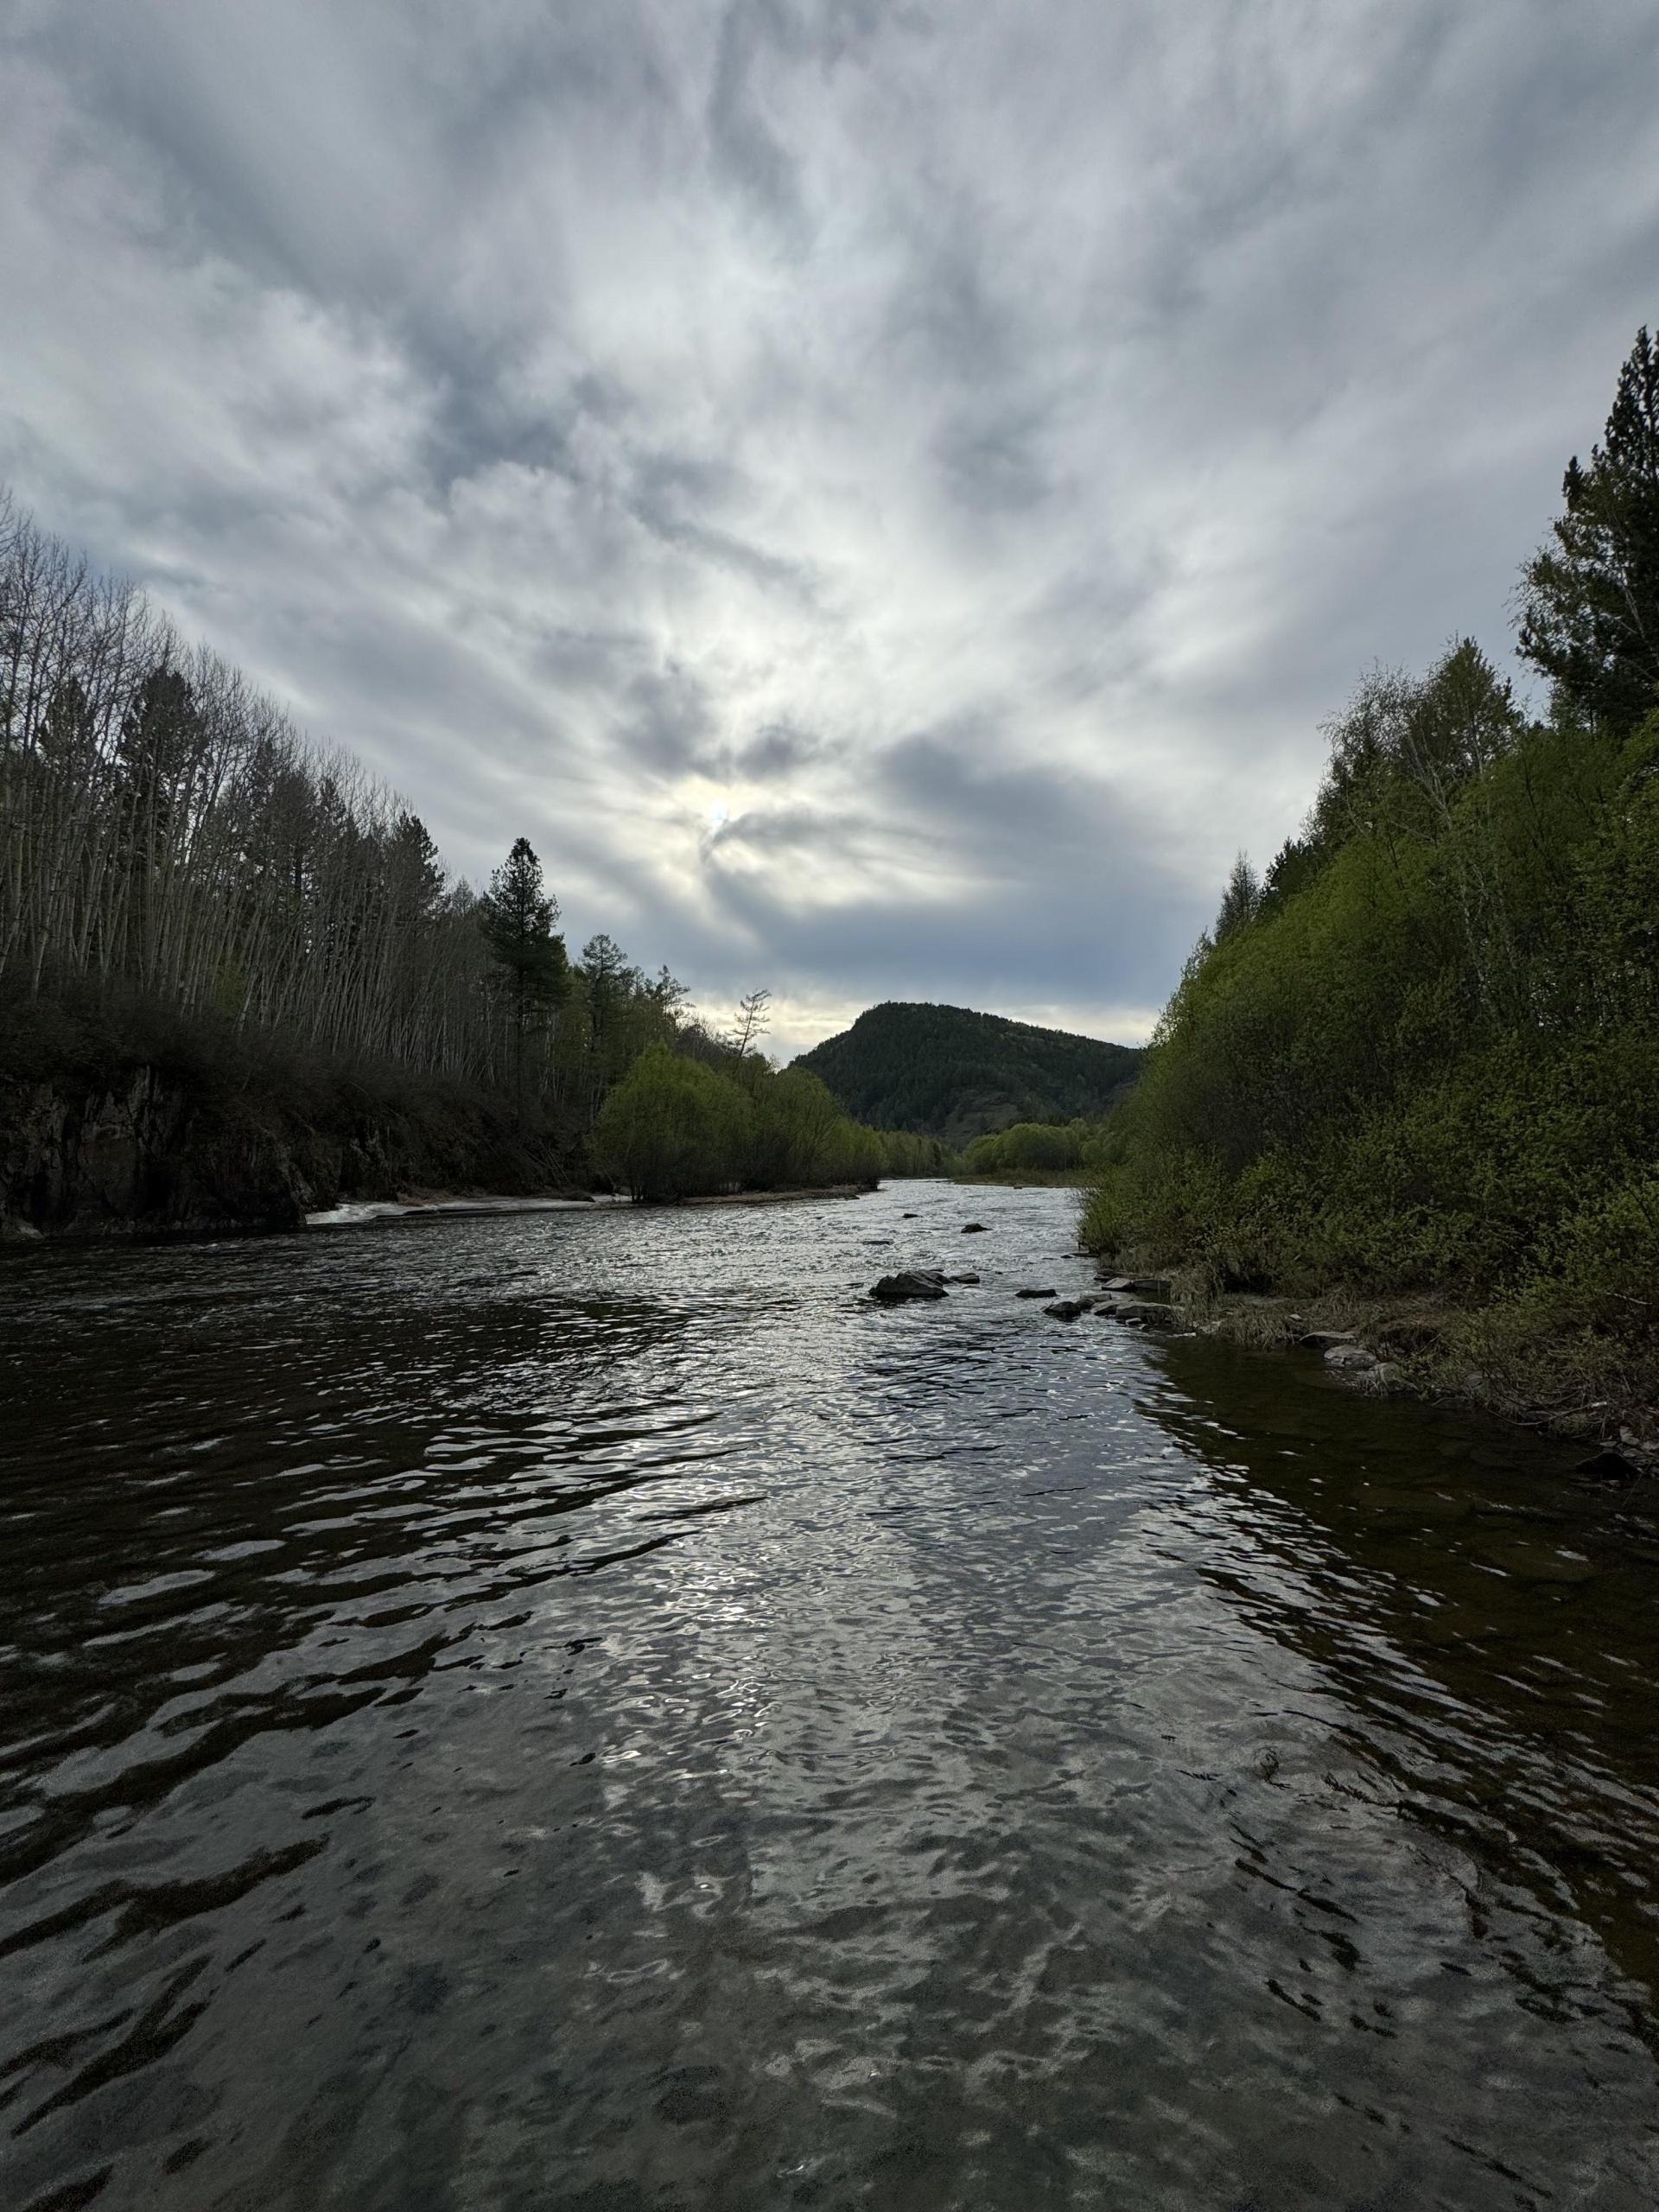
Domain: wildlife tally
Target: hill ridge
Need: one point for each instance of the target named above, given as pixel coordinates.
(954, 1072)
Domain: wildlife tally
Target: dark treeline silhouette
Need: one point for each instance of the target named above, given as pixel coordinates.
(1422, 1054)
(170, 842)
(164, 829)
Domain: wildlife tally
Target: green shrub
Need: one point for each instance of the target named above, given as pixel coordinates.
(673, 1128)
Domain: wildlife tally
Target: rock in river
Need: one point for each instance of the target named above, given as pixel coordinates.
(1050, 1292)
(912, 1283)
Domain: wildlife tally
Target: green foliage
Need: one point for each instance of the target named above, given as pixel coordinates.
(904, 1153)
(675, 1127)
(1430, 1059)
(945, 1072)
(1033, 1148)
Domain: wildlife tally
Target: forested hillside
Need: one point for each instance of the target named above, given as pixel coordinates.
(1421, 1056)
(944, 1072)
(236, 967)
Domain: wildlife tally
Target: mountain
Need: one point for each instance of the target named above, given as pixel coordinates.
(945, 1072)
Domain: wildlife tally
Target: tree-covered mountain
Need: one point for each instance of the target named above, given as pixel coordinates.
(945, 1072)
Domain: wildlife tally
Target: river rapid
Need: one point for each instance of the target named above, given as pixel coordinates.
(585, 1710)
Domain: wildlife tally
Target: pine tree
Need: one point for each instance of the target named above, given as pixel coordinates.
(517, 916)
(1590, 602)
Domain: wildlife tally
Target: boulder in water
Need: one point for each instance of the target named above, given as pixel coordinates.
(910, 1282)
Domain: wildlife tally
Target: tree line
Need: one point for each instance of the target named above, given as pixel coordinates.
(165, 829)
(167, 834)
(1422, 1051)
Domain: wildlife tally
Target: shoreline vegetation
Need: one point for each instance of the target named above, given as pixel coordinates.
(1408, 1085)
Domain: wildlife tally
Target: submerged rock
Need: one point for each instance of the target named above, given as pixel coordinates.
(962, 1278)
(973, 1228)
(910, 1282)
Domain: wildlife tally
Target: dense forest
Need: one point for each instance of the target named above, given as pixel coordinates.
(196, 901)
(942, 1072)
(1421, 1054)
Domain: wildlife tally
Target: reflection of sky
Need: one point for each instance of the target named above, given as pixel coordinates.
(882, 500)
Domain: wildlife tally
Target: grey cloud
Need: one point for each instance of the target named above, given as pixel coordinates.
(775, 751)
(987, 443)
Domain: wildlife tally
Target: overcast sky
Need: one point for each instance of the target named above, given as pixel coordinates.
(883, 495)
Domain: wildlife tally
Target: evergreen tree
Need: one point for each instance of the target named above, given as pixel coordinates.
(517, 916)
(1589, 604)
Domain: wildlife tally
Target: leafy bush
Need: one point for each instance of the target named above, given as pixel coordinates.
(1032, 1147)
(673, 1128)
(903, 1152)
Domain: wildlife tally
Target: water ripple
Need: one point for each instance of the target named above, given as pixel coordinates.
(588, 1710)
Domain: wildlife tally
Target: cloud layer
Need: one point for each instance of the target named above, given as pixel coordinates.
(882, 495)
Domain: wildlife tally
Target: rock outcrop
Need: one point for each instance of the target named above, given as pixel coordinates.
(145, 1156)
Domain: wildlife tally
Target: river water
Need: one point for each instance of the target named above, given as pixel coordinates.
(585, 1710)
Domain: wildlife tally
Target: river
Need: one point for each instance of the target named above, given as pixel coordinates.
(585, 1710)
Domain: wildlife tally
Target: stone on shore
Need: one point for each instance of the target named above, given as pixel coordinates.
(1138, 1312)
(1350, 1358)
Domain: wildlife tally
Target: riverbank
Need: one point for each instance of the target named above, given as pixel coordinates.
(1527, 1368)
(119, 1120)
